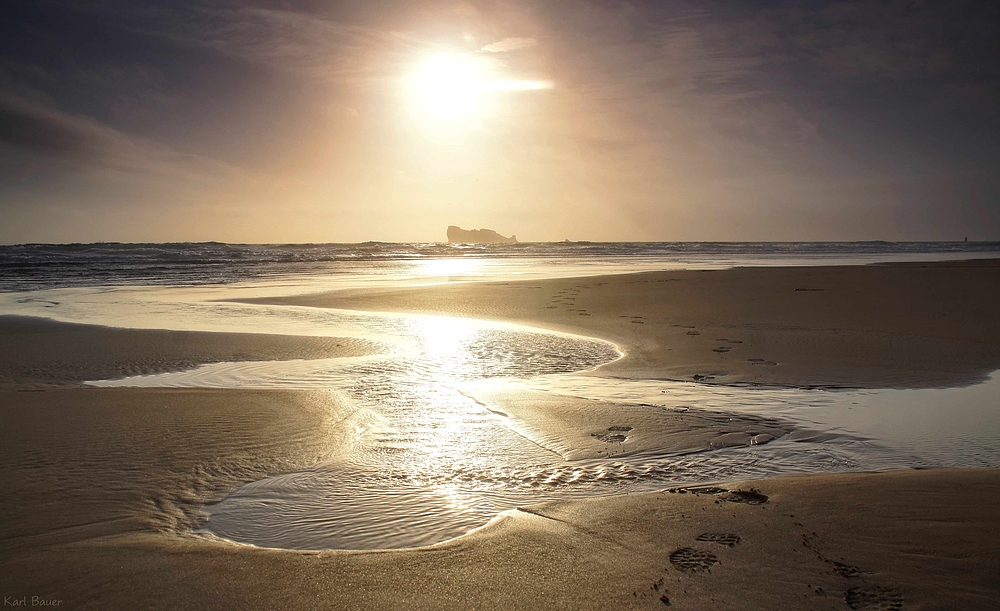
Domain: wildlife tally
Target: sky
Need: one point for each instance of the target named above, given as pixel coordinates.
(358, 120)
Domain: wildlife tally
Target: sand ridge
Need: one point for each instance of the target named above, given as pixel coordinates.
(893, 325)
(578, 428)
(35, 352)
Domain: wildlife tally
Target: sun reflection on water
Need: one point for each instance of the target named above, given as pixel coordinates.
(457, 266)
(454, 497)
(445, 341)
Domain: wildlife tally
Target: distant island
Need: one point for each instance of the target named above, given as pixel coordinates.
(457, 235)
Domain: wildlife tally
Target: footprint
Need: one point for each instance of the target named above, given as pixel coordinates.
(614, 434)
(875, 598)
(727, 539)
(845, 570)
(842, 569)
(750, 497)
(698, 490)
(693, 560)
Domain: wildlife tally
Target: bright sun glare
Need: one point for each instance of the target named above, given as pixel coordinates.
(450, 86)
(454, 90)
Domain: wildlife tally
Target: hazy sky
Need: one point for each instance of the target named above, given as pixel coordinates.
(345, 121)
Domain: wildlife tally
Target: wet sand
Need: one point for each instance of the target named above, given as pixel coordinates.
(101, 486)
(576, 428)
(99, 483)
(881, 326)
(35, 352)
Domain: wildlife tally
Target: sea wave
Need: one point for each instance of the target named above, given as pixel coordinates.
(40, 266)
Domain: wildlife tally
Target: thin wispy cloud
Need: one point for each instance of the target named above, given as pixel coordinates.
(282, 39)
(79, 143)
(510, 44)
(291, 40)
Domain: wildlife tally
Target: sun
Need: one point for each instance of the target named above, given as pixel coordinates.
(451, 94)
(451, 88)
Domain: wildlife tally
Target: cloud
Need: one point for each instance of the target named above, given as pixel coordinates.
(510, 44)
(318, 47)
(293, 40)
(786, 88)
(898, 41)
(50, 133)
(81, 143)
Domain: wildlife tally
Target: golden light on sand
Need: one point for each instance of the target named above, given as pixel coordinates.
(451, 92)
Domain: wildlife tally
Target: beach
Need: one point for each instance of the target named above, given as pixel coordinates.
(104, 488)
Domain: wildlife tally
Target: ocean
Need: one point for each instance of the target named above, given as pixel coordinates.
(38, 266)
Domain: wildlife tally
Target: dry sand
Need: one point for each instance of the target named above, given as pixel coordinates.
(101, 486)
(896, 325)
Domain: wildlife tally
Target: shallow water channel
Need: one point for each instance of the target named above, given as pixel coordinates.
(433, 462)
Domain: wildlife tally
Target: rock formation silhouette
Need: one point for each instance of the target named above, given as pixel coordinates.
(457, 235)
